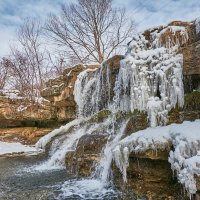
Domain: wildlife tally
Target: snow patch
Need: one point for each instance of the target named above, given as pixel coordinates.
(13, 148)
(170, 36)
(11, 94)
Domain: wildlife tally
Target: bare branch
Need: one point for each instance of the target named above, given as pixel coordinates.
(91, 29)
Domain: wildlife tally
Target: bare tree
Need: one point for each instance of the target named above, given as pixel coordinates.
(29, 38)
(58, 63)
(91, 30)
(22, 75)
(4, 69)
(27, 62)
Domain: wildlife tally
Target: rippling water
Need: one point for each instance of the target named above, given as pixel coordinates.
(20, 181)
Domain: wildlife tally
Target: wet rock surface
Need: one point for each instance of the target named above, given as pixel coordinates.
(88, 152)
(149, 175)
(24, 135)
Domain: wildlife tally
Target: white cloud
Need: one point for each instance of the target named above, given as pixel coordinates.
(146, 13)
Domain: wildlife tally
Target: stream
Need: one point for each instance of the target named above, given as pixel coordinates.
(20, 181)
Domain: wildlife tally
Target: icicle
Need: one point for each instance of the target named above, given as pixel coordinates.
(184, 159)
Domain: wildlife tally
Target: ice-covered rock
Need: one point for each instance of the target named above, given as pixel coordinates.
(184, 158)
(150, 79)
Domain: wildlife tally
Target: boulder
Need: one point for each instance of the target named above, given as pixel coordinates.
(82, 162)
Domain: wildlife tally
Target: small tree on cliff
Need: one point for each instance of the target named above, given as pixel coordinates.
(90, 30)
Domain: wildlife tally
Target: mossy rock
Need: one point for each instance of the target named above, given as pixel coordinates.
(100, 116)
(125, 115)
(189, 112)
(192, 101)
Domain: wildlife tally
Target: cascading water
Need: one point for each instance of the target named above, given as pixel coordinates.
(65, 139)
(92, 90)
(98, 185)
(104, 167)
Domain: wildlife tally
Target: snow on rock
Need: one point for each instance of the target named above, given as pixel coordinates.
(21, 108)
(170, 36)
(184, 159)
(197, 24)
(13, 148)
(11, 94)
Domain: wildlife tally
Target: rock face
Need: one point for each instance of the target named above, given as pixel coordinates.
(149, 175)
(189, 112)
(23, 112)
(24, 135)
(59, 92)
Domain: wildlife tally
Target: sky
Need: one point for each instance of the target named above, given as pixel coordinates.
(145, 13)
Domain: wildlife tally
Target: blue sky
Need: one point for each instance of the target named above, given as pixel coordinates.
(146, 13)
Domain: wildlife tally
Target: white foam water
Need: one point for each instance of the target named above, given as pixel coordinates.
(90, 189)
(59, 148)
(104, 168)
(67, 141)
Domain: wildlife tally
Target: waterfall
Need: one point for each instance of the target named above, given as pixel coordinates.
(92, 90)
(65, 139)
(104, 167)
(149, 80)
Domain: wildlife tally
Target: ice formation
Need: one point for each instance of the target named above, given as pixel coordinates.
(170, 36)
(149, 79)
(184, 159)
